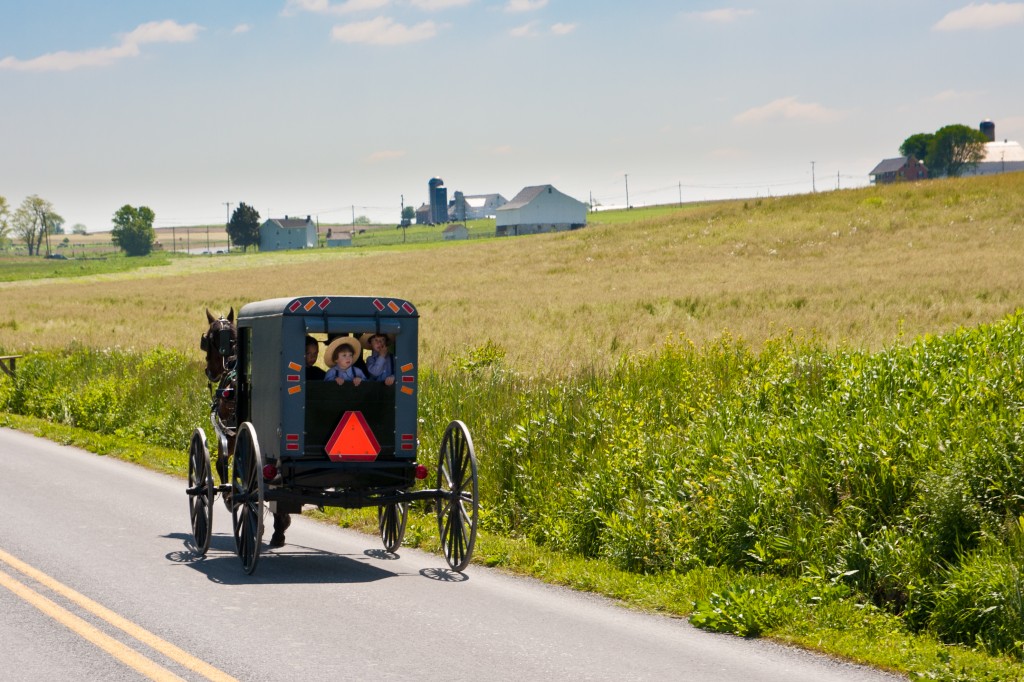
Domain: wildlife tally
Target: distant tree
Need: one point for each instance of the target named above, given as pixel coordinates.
(79, 228)
(361, 220)
(917, 145)
(133, 230)
(244, 228)
(954, 149)
(408, 213)
(5, 221)
(33, 220)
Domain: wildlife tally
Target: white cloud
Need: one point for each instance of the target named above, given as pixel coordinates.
(984, 15)
(293, 7)
(152, 32)
(525, 31)
(952, 96)
(524, 5)
(722, 16)
(533, 29)
(787, 108)
(241, 28)
(386, 155)
(383, 31)
(433, 5)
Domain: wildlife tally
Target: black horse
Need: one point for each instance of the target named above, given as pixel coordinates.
(220, 343)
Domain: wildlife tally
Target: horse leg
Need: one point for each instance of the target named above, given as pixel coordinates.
(281, 522)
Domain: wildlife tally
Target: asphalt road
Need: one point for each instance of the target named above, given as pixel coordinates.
(97, 583)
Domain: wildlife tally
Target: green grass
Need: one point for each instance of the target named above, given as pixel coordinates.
(834, 498)
(15, 268)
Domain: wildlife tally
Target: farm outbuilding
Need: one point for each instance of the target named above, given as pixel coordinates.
(280, 234)
(483, 205)
(456, 231)
(540, 208)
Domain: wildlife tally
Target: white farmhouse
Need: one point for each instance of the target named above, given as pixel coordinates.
(279, 234)
(541, 208)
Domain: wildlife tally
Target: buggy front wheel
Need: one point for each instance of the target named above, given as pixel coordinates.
(200, 492)
(458, 497)
(391, 520)
(247, 492)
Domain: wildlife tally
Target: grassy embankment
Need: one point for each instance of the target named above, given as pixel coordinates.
(843, 487)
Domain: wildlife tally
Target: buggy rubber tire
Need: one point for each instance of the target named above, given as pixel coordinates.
(200, 492)
(458, 504)
(391, 521)
(247, 493)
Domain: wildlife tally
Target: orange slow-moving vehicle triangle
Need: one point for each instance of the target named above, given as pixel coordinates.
(352, 440)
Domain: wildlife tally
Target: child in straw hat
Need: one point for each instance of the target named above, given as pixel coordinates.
(342, 353)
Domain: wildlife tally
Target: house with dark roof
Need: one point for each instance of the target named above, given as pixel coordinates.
(279, 234)
(540, 208)
(897, 170)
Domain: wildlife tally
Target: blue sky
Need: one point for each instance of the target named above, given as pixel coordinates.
(318, 106)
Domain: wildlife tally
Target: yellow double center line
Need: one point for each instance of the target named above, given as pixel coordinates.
(118, 650)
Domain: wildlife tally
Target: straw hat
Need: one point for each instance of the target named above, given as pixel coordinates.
(350, 341)
(365, 338)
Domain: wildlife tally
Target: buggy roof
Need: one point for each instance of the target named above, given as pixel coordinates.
(326, 305)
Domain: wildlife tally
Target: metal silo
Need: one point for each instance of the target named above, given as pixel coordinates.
(438, 201)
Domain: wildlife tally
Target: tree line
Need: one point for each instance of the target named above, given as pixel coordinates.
(949, 151)
(35, 220)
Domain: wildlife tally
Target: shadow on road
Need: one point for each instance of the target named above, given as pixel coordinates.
(289, 564)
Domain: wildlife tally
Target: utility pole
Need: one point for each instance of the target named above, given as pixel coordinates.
(680, 193)
(813, 189)
(837, 179)
(627, 191)
(227, 222)
(174, 240)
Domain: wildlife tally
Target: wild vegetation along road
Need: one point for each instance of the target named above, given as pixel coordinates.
(97, 582)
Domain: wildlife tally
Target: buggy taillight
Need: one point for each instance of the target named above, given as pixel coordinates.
(421, 472)
(269, 472)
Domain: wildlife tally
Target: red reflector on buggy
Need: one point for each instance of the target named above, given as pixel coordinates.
(408, 436)
(291, 436)
(269, 472)
(421, 472)
(291, 446)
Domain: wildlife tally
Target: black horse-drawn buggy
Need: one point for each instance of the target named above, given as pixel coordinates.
(293, 441)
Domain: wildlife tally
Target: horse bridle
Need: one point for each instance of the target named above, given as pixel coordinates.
(219, 338)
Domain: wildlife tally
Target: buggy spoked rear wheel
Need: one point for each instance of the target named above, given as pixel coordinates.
(247, 492)
(391, 520)
(200, 492)
(458, 501)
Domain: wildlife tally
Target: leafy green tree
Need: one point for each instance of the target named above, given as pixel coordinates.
(133, 230)
(361, 220)
(5, 221)
(954, 149)
(244, 228)
(33, 221)
(79, 228)
(917, 145)
(408, 213)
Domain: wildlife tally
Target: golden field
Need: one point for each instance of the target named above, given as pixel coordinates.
(862, 268)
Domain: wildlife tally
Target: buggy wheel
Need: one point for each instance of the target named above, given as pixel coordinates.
(200, 492)
(391, 519)
(458, 502)
(247, 497)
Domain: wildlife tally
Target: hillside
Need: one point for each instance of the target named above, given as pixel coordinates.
(858, 267)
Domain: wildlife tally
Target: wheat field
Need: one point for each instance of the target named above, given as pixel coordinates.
(864, 268)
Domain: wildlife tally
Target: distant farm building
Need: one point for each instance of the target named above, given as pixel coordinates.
(456, 231)
(339, 239)
(423, 214)
(1000, 157)
(483, 205)
(897, 170)
(541, 208)
(280, 234)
